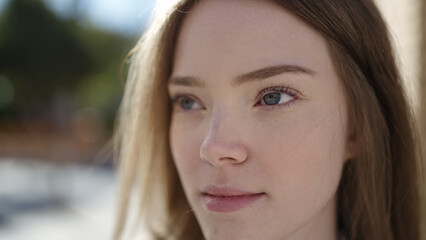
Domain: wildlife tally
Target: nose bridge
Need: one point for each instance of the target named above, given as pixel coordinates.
(221, 121)
(223, 143)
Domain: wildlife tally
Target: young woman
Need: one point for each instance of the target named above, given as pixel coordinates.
(247, 119)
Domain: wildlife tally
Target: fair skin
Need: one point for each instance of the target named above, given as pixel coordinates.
(257, 164)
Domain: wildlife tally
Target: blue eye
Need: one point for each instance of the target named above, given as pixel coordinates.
(186, 103)
(272, 98)
(275, 98)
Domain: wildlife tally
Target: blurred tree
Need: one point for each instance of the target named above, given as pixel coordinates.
(39, 53)
(43, 56)
(102, 88)
(60, 83)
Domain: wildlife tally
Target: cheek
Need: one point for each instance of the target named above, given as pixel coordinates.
(303, 156)
(185, 147)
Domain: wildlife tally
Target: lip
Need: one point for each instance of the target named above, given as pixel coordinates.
(228, 199)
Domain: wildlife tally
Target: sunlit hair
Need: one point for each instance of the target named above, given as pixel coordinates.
(379, 193)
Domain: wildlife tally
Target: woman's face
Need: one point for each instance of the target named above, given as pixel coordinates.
(259, 121)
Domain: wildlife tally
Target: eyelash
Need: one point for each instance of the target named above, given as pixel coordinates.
(292, 92)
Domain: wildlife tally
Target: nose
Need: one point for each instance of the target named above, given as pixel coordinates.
(223, 144)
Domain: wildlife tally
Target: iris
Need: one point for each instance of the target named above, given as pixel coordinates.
(272, 98)
(187, 103)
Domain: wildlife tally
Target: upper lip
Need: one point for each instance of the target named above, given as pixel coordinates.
(227, 192)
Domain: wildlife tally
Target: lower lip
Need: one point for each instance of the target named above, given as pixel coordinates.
(229, 204)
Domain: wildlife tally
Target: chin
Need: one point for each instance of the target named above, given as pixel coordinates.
(232, 228)
(230, 233)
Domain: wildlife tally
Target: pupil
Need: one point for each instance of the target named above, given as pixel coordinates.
(187, 103)
(272, 98)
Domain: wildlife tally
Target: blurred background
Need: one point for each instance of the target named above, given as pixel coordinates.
(61, 79)
(62, 71)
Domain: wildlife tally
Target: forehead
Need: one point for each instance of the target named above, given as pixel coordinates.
(245, 34)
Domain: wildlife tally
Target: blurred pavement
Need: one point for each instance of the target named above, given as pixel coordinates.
(45, 201)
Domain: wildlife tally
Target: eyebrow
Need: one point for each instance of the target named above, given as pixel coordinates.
(256, 75)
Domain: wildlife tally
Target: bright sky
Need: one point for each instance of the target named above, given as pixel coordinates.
(122, 16)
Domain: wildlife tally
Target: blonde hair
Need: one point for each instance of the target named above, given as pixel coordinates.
(378, 197)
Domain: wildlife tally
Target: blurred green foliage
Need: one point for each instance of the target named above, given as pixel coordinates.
(43, 56)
